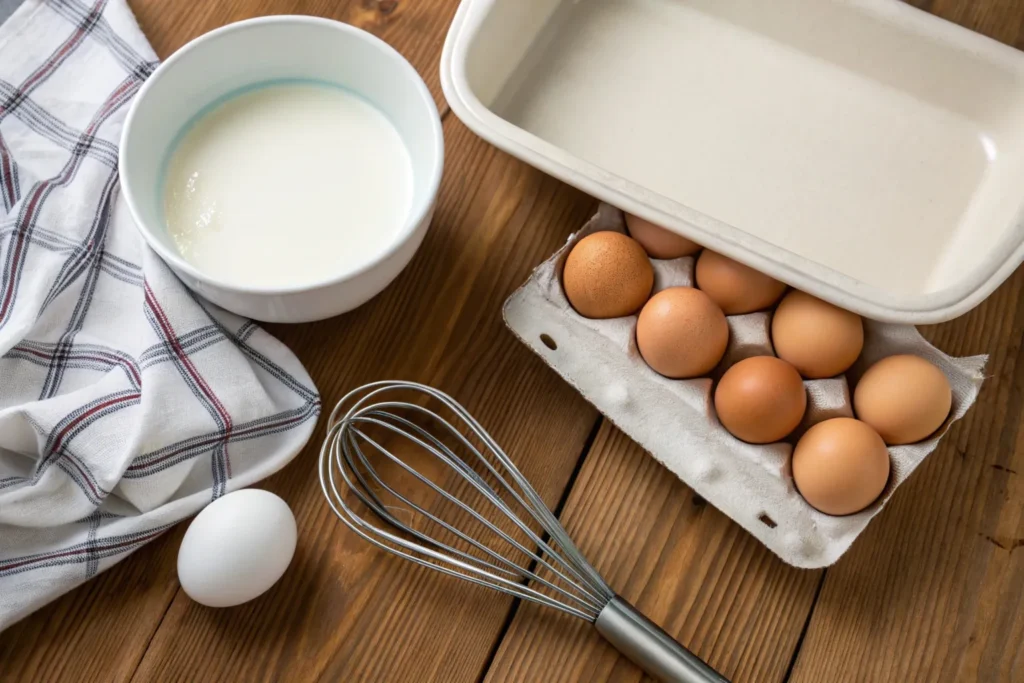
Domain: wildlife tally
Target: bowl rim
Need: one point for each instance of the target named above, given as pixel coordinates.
(417, 213)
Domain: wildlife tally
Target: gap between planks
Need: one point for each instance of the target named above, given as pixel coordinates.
(807, 625)
(514, 608)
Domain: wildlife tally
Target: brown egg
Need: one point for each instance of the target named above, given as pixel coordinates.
(840, 466)
(736, 288)
(682, 333)
(761, 399)
(607, 275)
(905, 398)
(659, 242)
(819, 339)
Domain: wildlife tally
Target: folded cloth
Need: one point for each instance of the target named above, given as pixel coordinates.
(126, 403)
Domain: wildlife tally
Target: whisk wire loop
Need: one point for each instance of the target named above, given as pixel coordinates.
(557, 575)
(349, 451)
(479, 484)
(426, 556)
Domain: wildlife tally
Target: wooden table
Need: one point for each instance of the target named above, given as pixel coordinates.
(933, 590)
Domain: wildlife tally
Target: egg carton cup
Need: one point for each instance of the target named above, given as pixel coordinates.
(675, 419)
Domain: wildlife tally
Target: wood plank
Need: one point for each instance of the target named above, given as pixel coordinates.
(680, 561)
(934, 590)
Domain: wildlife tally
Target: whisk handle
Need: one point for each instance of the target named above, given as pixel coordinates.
(650, 648)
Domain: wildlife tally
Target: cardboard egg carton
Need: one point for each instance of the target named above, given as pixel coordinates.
(675, 419)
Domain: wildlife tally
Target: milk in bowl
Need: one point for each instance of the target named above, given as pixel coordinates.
(285, 168)
(286, 184)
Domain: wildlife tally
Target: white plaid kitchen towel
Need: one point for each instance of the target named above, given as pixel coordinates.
(126, 404)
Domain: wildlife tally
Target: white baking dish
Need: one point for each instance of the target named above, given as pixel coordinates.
(861, 150)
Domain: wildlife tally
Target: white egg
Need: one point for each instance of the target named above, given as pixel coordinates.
(236, 548)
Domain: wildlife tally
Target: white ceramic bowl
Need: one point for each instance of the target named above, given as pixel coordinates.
(264, 49)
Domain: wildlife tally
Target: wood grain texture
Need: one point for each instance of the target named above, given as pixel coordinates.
(680, 561)
(934, 589)
(99, 631)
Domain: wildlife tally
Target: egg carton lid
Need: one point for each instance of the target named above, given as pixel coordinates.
(674, 419)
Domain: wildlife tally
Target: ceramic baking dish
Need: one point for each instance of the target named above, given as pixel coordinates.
(861, 150)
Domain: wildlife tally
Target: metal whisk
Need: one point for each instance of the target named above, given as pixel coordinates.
(537, 559)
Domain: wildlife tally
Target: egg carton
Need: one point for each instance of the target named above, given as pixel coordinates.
(675, 419)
